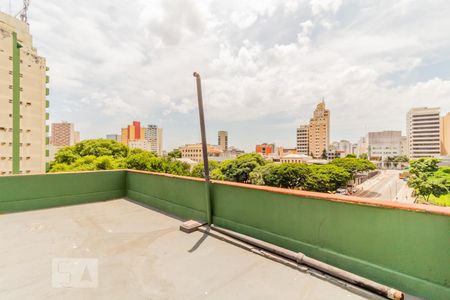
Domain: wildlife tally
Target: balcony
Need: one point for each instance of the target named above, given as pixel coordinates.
(129, 222)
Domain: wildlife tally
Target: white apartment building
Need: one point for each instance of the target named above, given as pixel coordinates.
(303, 139)
(154, 136)
(23, 129)
(342, 147)
(384, 144)
(423, 132)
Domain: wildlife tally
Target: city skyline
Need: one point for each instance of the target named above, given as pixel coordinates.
(342, 107)
(368, 87)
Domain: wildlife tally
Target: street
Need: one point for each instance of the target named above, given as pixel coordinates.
(386, 186)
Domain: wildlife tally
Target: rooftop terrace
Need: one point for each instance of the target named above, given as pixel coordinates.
(140, 253)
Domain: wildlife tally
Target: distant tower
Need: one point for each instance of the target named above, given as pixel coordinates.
(64, 134)
(319, 130)
(223, 140)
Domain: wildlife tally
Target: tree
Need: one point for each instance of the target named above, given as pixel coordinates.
(198, 169)
(66, 155)
(286, 175)
(443, 173)
(324, 154)
(326, 178)
(101, 147)
(363, 156)
(353, 165)
(175, 153)
(424, 165)
(176, 167)
(145, 161)
(426, 186)
(401, 158)
(239, 169)
(103, 154)
(108, 163)
(350, 156)
(425, 178)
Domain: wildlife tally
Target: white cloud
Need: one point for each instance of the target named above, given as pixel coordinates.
(319, 7)
(261, 61)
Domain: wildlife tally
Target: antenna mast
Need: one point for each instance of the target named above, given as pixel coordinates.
(23, 12)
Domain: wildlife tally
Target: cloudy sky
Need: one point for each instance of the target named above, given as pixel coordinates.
(264, 63)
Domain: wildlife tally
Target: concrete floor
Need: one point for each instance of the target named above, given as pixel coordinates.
(140, 254)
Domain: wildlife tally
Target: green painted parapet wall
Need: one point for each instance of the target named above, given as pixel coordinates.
(406, 249)
(401, 245)
(29, 192)
(180, 196)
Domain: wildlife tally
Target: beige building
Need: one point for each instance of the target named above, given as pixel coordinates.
(423, 132)
(319, 130)
(140, 144)
(23, 130)
(64, 134)
(303, 139)
(295, 158)
(222, 140)
(445, 134)
(194, 151)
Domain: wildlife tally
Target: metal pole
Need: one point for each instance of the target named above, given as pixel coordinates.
(204, 147)
(301, 258)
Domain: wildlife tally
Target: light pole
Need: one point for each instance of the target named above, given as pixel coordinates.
(204, 147)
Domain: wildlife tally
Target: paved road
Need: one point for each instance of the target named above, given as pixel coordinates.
(386, 186)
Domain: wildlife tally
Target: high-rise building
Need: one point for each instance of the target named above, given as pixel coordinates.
(222, 140)
(343, 147)
(384, 144)
(319, 130)
(23, 130)
(265, 149)
(404, 145)
(355, 148)
(132, 132)
(303, 139)
(445, 134)
(114, 137)
(154, 136)
(361, 147)
(64, 134)
(423, 132)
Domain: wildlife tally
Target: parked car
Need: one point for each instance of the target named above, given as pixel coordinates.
(342, 191)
